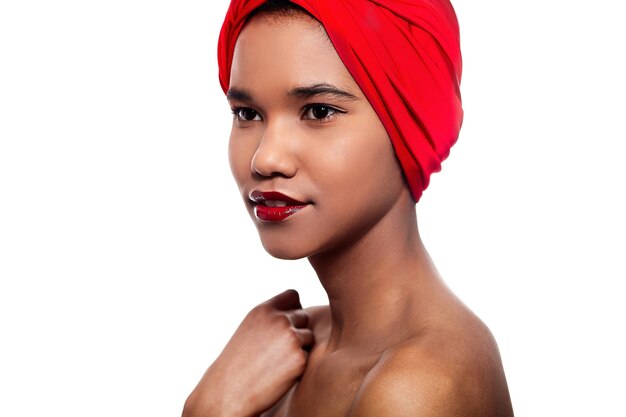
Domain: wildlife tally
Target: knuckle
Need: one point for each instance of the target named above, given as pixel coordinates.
(294, 339)
(255, 311)
(260, 310)
(263, 307)
(300, 361)
(283, 321)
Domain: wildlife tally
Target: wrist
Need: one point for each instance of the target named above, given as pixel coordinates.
(205, 407)
(211, 400)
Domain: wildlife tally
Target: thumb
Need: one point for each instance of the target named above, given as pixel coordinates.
(286, 300)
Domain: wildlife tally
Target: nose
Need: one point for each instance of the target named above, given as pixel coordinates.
(274, 155)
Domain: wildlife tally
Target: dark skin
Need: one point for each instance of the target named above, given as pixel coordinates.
(394, 340)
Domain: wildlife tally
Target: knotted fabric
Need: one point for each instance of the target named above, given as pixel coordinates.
(405, 56)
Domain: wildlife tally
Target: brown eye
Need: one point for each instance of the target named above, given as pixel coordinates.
(246, 114)
(319, 111)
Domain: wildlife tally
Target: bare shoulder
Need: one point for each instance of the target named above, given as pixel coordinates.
(319, 318)
(446, 371)
(318, 312)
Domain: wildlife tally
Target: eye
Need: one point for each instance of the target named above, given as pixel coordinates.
(319, 112)
(246, 114)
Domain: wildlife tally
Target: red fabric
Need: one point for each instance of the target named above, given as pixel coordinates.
(404, 54)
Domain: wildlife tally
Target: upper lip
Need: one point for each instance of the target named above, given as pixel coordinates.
(260, 197)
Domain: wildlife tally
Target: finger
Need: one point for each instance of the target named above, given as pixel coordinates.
(286, 300)
(306, 336)
(298, 318)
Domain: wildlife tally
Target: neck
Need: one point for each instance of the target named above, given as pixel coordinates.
(374, 284)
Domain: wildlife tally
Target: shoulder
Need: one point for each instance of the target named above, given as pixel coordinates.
(445, 372)
(319, 318)
(318, 312)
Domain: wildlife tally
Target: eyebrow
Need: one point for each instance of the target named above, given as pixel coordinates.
(298, 92)
(319, 90)
(239, 95)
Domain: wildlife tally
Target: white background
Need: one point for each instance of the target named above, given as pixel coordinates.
(127, 259)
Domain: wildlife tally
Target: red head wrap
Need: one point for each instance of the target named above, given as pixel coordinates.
(406, 58)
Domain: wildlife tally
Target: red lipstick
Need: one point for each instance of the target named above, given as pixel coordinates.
(273, 206)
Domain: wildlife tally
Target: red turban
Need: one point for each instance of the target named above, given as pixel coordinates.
(405, 56)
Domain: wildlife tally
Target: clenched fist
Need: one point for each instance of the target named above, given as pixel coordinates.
(261, 362)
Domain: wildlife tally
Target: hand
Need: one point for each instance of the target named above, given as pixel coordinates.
(261, 362)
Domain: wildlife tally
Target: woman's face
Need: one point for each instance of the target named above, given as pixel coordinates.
(312, 160)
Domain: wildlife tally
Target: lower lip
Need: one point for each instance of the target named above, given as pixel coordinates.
(275, 214)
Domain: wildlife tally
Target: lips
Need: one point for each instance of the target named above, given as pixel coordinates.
(273, 206)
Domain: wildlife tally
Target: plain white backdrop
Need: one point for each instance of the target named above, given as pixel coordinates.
(127, 258)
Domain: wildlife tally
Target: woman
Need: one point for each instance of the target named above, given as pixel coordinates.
(341, 111)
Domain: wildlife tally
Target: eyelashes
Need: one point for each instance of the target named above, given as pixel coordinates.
(245, 114)
(320, 112)
(317, 112)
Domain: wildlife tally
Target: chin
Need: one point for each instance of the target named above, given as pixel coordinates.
(283, 250)
(284, 241)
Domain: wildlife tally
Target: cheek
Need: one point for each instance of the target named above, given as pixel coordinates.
(360, 180)
(240, 157)
(362, 162)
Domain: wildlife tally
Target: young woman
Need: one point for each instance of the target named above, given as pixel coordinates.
(341, 111)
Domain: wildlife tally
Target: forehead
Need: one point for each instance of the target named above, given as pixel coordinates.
(286, 51)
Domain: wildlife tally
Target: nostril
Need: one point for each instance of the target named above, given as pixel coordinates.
(273, 163)
(269, 174)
